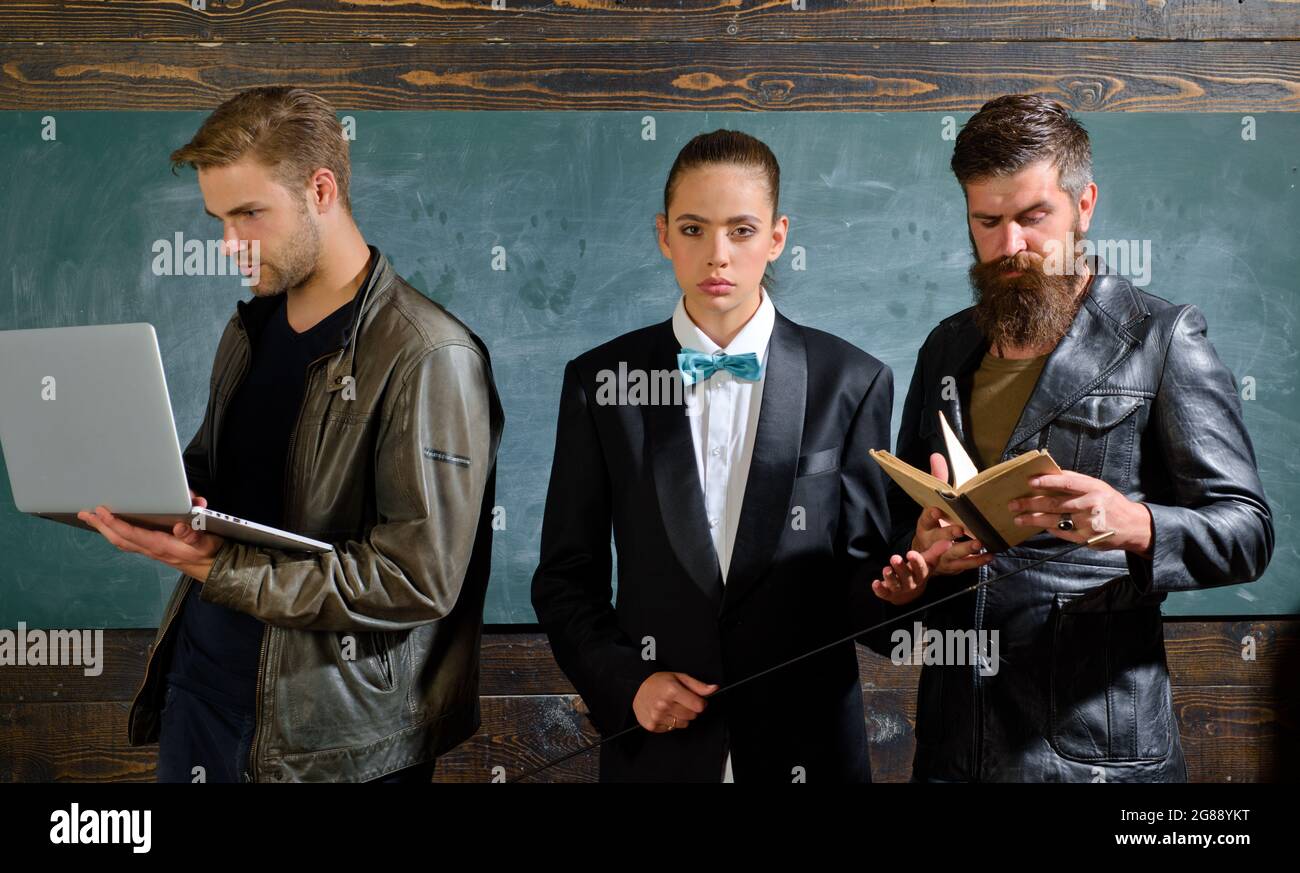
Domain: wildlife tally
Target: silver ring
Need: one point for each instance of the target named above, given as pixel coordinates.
(1066, 523)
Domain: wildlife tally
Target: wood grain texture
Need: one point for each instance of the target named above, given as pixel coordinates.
(632, 20)
(1238, 719)
(653, 76)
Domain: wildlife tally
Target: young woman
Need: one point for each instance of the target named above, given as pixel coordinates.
(747, 516)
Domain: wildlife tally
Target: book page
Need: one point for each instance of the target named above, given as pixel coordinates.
(919, 485)
(962, 468)
(1009, 481)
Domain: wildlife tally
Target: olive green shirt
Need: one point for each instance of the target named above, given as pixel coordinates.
(998, 395)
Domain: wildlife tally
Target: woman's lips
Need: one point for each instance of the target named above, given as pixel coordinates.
(715, 287)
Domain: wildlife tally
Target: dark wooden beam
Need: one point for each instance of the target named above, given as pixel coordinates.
(652, 76)
(587, 21)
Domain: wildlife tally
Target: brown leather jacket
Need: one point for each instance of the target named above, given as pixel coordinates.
(393, 461)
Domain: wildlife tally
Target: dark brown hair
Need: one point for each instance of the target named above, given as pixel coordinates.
(729, 147)
(1015, 130)
(291, 131)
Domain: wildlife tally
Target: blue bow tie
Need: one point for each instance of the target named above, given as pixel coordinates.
(696, 366)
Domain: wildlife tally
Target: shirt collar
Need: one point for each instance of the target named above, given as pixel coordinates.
(753, 337)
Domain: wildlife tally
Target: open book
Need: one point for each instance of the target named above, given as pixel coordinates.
(976, 501)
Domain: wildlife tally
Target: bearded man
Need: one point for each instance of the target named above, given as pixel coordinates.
(1126, 392)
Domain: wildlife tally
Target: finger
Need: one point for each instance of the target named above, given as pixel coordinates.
(919, 568)
(658, 727)
(1042, 503)
(186, 534)
(887, 595)
(890, 579)
(1083, 523)
(964, 564)
(934, 519)
(938, 466)
(929, 519)
(155, 544)
(98, 524)
(1081, 531)
(700, 688)
(952, 532)
(1066, 480)
(936, 551)
(684, 697)
(902, 572)
(963, 550)
(665, 708)
(683, 714)
(129, 532)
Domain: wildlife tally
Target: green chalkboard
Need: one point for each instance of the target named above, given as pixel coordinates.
(571, 196)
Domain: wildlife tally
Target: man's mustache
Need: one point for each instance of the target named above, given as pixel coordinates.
(1020, 262)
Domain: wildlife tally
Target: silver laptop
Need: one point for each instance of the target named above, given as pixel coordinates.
(85, 420)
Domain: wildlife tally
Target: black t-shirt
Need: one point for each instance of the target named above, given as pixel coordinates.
(217, 648)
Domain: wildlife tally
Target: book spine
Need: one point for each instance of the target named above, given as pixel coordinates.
(976, 523)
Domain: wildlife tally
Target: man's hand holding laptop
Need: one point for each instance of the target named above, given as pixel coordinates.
(188, 550)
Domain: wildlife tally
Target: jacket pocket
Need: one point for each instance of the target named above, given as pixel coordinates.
(383, 643)
(1110, 698)
(1095, 436)
(372, 661)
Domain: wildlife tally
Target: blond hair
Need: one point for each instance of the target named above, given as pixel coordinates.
(291, 131)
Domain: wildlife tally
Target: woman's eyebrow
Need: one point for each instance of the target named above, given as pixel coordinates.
(700, 219)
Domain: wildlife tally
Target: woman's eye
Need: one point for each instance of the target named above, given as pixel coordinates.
(687, 228)
(749, 229)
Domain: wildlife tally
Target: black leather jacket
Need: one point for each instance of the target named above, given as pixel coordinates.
(1135, 395)
(394, 462)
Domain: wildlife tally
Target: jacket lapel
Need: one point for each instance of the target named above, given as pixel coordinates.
(775, 461)
(1098, 341)
(681, 500)
(965, 352)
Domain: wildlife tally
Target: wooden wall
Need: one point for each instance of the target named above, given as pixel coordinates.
(1149, 55)
(1238, 718)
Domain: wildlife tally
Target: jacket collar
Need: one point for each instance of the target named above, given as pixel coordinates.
(253, 314)
(1101, 336)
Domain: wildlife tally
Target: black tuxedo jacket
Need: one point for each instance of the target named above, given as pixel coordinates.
(811, 537)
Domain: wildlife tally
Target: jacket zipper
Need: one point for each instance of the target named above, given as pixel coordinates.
(266, 631)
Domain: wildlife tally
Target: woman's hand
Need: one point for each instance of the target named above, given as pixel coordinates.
(670, 700)
(934, 552)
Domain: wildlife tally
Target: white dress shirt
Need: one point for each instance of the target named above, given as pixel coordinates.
(723, 427)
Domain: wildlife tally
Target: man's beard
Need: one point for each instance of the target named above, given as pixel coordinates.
(300, 254)
(1031, 311)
